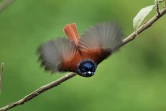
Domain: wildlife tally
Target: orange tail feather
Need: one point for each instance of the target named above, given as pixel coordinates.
(71, 32)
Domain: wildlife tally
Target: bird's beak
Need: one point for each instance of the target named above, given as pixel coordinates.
(89, 72)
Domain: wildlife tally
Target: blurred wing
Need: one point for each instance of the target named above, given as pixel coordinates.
(54, 52)
(104, 35)
(100, 41)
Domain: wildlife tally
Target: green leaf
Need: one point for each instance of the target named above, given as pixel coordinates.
(138, 19)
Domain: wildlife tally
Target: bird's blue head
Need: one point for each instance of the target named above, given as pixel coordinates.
(86, 68)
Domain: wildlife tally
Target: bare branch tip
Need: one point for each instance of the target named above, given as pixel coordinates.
(157, 8)
(2, 70)
(5, 4)
(2, 67)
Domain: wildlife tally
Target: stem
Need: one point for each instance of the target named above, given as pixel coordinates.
(5, 4)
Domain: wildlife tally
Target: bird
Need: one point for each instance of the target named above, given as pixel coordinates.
(81, 53)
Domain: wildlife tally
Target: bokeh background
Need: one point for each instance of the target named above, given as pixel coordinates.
(133, 79)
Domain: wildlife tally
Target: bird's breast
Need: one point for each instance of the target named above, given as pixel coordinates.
(71, 63)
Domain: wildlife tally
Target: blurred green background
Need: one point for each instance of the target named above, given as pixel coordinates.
(133, 79)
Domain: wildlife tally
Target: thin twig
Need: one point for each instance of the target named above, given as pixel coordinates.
(157, 7)
(1, 73)
(68, 76)
(144, 27)
(5, 4)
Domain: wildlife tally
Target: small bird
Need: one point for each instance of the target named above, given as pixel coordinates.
(81, 53)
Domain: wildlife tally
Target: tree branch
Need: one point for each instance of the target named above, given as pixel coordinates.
(144, 26)
(5, 4)
(38, 91)
(68, 76)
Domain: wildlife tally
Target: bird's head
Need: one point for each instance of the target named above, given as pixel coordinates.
(86, 68)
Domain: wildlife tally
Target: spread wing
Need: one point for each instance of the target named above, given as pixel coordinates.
(54, 52)
(97, 43)
(104, 39)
